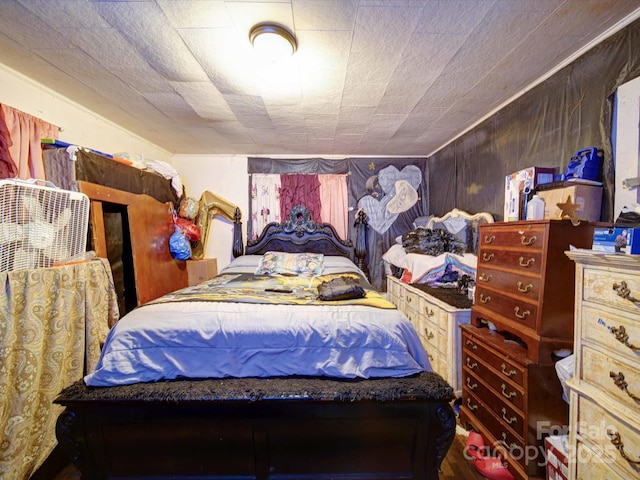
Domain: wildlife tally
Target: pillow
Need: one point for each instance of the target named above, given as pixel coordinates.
(422, 221)
(274, 263)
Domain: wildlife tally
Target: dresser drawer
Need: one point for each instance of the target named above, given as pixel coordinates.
(615, 379)
(530, 262)
(434, 336)
(433, 313)
(412, 301)
(481, 355)
(514, 309)
(612, 330)
(505, 438)
(521, 236)
(500, 406)
(507, 391)
(436, 360)
(395, 293)
(603, 431)
(591, 466)
(515, 283)
(612, 288)
(414, 318)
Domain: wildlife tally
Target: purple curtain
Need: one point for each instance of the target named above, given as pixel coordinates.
(300, 189)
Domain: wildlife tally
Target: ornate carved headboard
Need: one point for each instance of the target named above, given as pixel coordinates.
(471, 220)
(299, 233)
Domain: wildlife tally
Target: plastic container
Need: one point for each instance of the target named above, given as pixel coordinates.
(535, 208)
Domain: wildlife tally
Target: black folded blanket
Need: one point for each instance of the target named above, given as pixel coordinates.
(341, 288)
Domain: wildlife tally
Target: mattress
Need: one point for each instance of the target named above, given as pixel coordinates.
(184, 335)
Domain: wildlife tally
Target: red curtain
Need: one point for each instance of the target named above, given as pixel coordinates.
(300, 189)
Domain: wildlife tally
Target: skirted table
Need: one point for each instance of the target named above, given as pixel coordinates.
(53, 322)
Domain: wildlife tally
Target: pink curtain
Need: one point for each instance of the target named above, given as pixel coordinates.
(7, 167)
(300, 189)
(25, 136)
(335, 203)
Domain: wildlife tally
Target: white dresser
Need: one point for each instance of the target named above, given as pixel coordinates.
(604, 425)
(437, 323)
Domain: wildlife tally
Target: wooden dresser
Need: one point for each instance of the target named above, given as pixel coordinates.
(437, 323)
(522, 315)
(604, 428)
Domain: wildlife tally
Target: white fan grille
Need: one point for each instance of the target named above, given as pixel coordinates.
(40, 225)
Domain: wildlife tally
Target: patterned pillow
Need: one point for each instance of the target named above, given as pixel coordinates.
(274, 263)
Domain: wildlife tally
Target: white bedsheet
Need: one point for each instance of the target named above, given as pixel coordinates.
(225, 339)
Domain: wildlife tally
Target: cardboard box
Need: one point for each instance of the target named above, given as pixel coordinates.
(616, 240)
(557, 450)
(200, 270)
(588, 197)
(520, 182)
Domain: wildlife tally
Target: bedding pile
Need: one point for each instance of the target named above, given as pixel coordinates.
(231, 326)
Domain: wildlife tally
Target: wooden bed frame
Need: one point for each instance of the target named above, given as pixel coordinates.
(263, 428)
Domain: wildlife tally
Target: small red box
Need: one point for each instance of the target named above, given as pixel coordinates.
(557, 457)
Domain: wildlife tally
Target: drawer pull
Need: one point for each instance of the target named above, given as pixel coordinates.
(473, 346)
(508, 420)
(616, 441)
(487, 257)
(430, 357)
(528, 242)
(485, 278)
(489, 239)
(526, 289)
(526, 264)
(471, 365)
(430, 313)
(505, 394)
(484, 299)
(428, 333)
(471, 406)
(522, 315)
(512, 446)
(623, 337)
(408, 299)
(470, 385)
(621, 383)
(623, 291)
(509, 373)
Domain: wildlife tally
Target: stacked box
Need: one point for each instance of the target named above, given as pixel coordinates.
(520, 183)
(200, 270)
(557, 457)
(616, 240)
(587, 197)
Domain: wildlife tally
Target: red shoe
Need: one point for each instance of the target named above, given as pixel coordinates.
(493, 468)
(475, 445)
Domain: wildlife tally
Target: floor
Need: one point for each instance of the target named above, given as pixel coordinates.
(454, 467)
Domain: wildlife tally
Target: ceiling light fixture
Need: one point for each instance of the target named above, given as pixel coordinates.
(273, 41)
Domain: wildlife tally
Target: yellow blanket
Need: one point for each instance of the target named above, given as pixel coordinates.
(275, 290)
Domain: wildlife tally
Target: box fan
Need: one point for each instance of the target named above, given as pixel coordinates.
(40, 224)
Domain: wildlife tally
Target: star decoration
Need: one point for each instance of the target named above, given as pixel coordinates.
(372, 166)
(568, 210)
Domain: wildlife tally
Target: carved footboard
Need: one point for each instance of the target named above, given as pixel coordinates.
(260, 428)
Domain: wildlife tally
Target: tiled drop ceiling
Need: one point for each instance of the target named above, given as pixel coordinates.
(370, 77)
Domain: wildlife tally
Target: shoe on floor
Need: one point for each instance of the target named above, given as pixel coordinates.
(493, 468)
(475, 445)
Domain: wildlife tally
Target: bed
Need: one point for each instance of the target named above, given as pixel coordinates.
(435, 246)
(346, 392)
